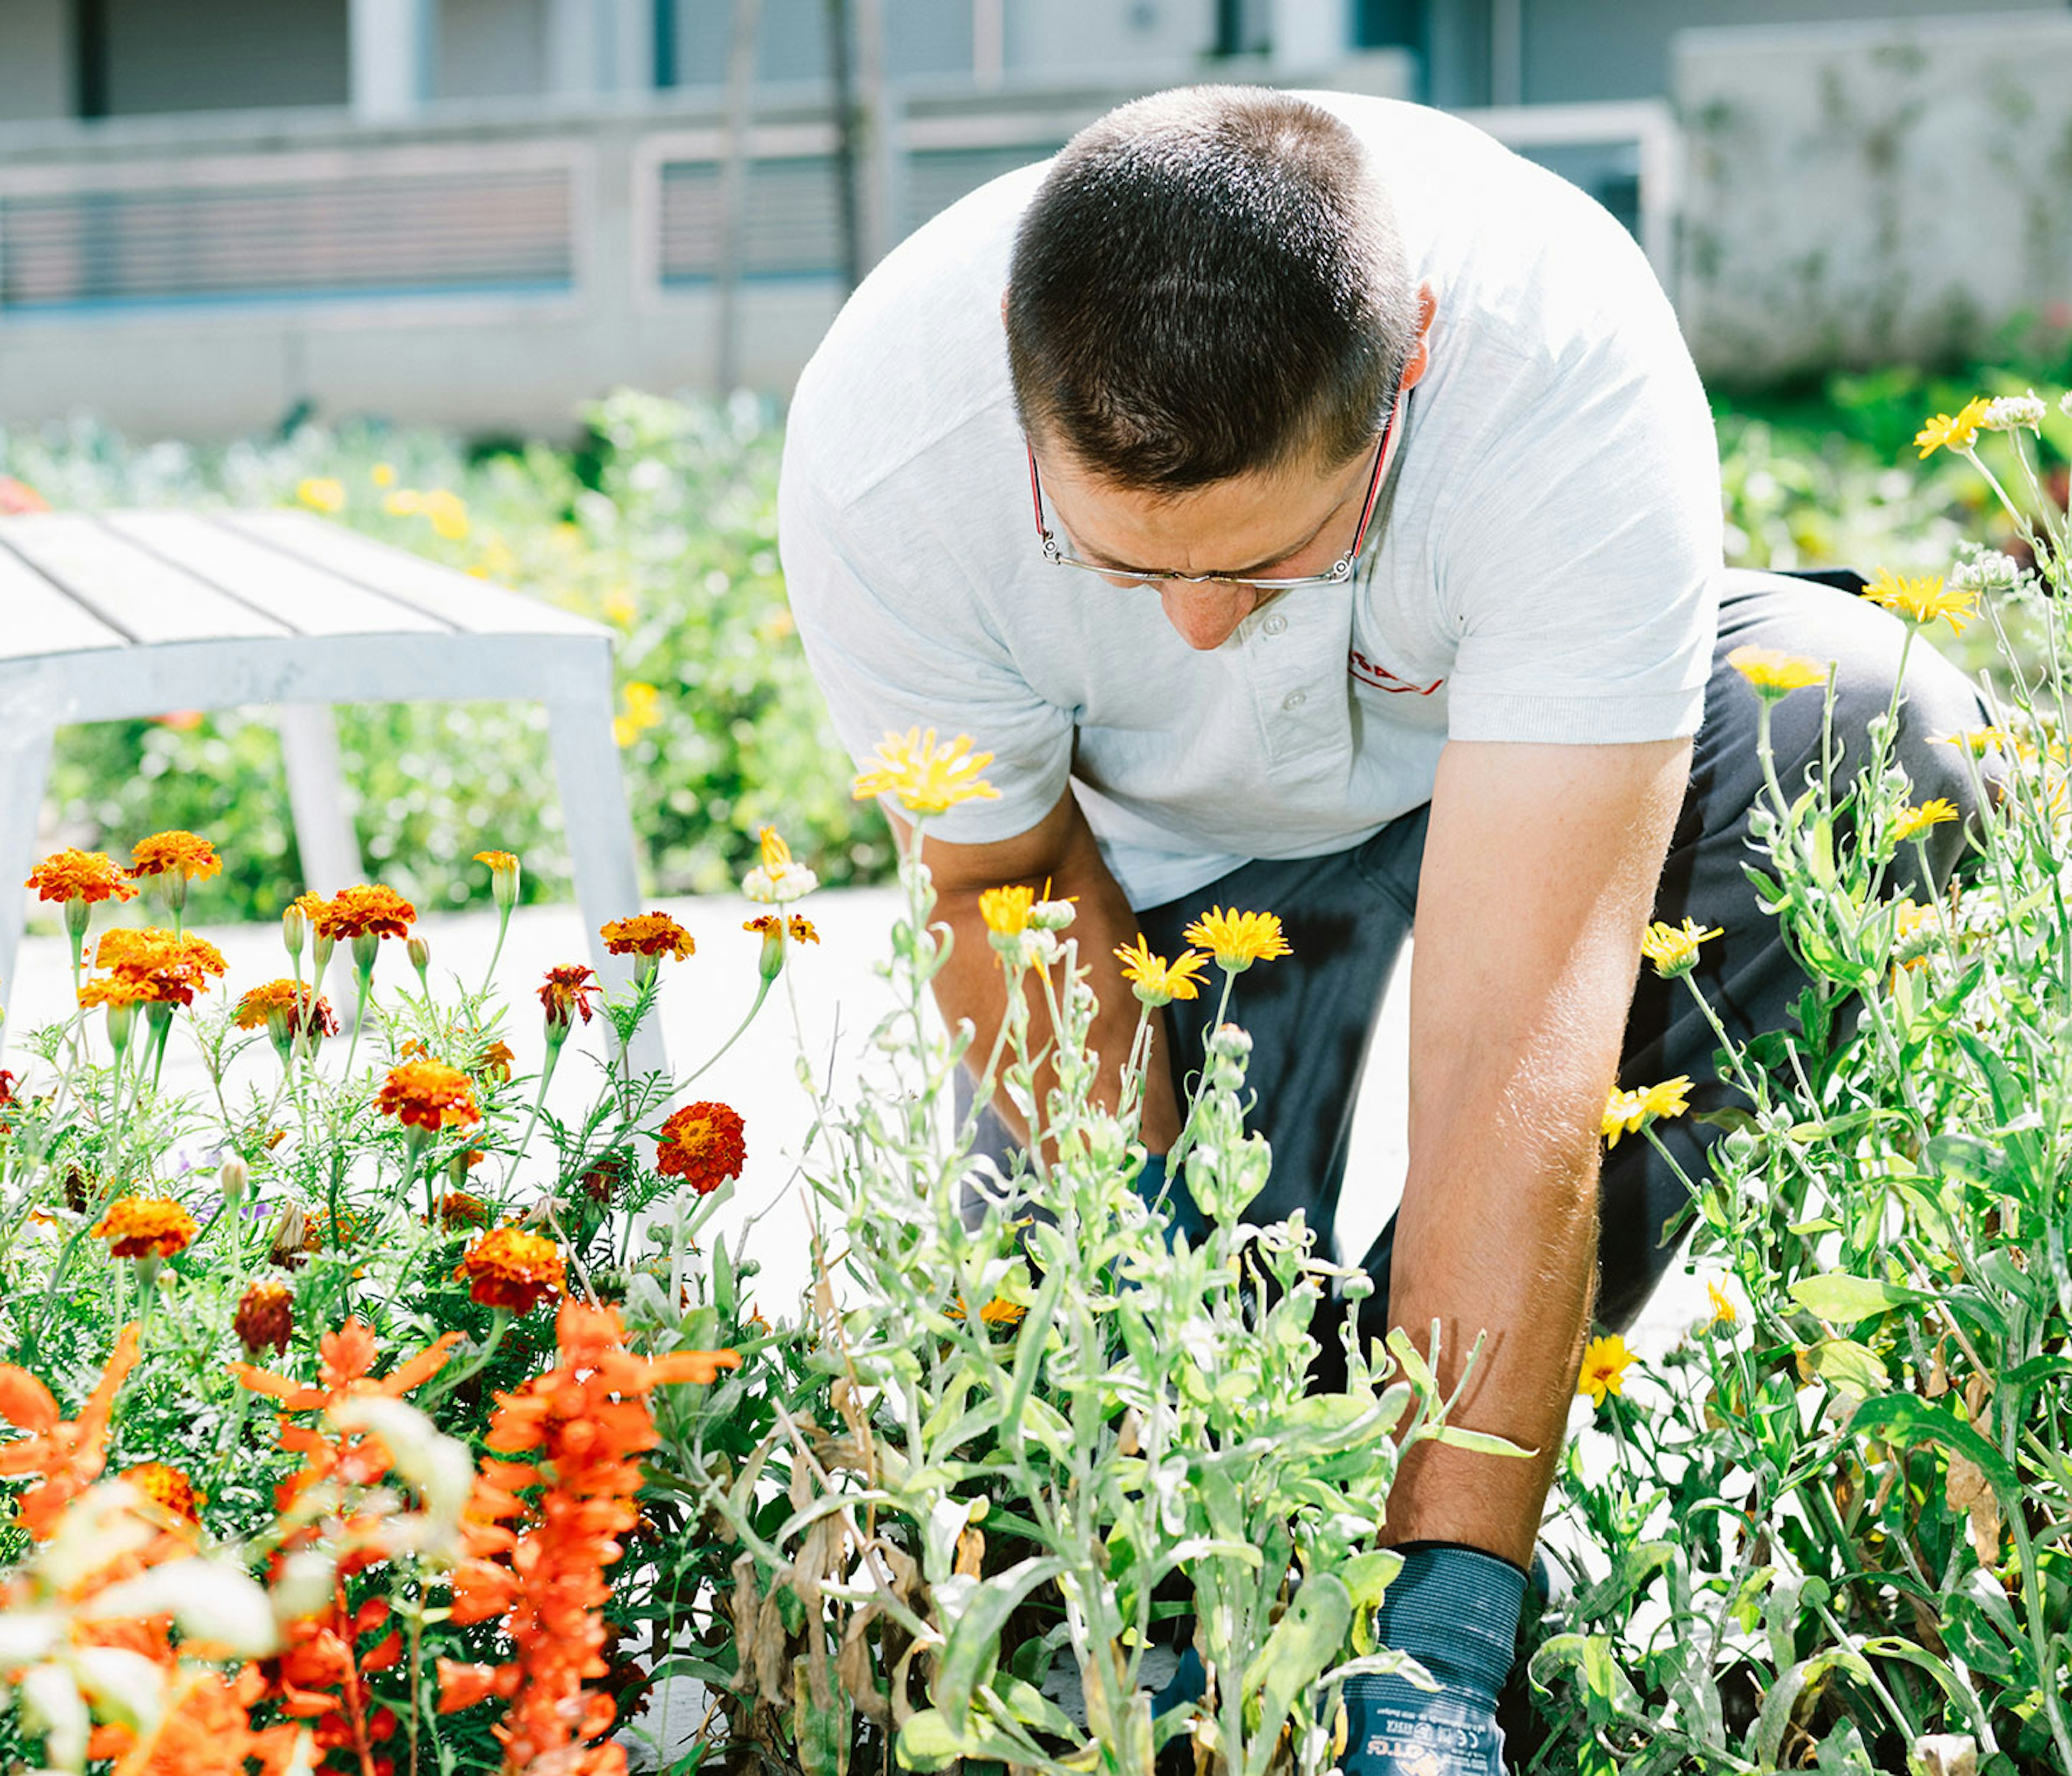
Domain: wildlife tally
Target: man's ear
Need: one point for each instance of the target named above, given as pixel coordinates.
(1420, 355)
(1004, 295)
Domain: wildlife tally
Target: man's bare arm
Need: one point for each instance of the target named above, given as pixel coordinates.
(1540, 868)
(1060, 850)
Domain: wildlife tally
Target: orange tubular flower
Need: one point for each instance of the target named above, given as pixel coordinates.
(80, 875)
(428, 1094)
(146, 1227)
(583, 1427)
(69, 1455)
(265, 1317)
(566, 994)
(174, 853)
(647, 933)
(167, 1488)
(509, 1267)
(364, 911)
(702, 1144)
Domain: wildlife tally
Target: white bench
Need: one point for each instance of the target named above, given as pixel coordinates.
(108, 616)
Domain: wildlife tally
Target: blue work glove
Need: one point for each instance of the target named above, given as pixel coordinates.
(1152, 1183)
(1454, 1610)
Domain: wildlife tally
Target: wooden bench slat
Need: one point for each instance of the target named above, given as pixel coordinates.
(304, 598)
(36, 618)
(149, 599)
(457, 600)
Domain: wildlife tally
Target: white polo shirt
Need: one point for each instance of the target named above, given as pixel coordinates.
(1542, 564)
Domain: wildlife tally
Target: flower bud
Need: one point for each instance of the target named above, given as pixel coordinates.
(366, 946)
(421, 958)
(291, 1232)
(295, 928)
(232, 1180)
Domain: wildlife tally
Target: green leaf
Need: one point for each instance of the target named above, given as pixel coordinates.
(1842, 1300)
(974, 1635)
(1482, 1442)
(1854, 1368)
(1304, 1642)
(1907, 1418)
(928, 1741)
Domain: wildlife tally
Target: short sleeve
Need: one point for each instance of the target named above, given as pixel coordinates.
(1580, 560)
(895, 647)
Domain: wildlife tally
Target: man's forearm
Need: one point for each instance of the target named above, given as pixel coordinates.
(971, 984)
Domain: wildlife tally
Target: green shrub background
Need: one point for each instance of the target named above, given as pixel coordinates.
(662, 523)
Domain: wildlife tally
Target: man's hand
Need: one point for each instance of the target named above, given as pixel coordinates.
(1540, 869)
(1061, 851)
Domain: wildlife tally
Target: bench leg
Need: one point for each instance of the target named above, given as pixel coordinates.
(600, 830)
(316, 793)
(25, 769)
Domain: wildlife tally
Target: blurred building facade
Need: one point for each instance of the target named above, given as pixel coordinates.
(480, 212)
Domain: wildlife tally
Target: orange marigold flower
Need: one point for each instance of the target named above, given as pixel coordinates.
(647, 933)
(80, 875)
(566, 994)
(494, 1062)
(428, 1094)
(462, 1209)
(276, 1004)
(511, 1269)
(146, 1227)
(172, 968)
(266, 1316)
(166, 1487)
(702, 1144)
(113, 989)
(364, 911)
(802, 930)
(175, 852)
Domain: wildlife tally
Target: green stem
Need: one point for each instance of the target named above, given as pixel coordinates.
(762, 993)
(489, 973)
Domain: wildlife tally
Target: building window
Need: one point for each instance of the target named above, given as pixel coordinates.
(1388, 24)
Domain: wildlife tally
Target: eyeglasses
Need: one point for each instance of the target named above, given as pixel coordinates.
(1340, 571)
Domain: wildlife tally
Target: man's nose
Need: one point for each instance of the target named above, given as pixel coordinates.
(1205, 616)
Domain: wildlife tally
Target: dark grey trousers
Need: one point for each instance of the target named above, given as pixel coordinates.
(1312, 1014)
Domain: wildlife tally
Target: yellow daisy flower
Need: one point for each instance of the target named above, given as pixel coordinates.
(1957, 431)
(1156, 982)
(1922, 599)
(1775, 674)
(1673, 949)
(1006, 910)
(925, 777)
(1237, 940)
(1628, 1112)
(1910, 823)
(1724, 1317)
(1605, 1361)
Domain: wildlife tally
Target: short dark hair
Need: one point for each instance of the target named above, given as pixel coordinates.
(1208, 282)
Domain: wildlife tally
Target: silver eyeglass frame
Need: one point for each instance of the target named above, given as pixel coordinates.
(1340, 572)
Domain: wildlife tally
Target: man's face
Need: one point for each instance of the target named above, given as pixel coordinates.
(1279, 523)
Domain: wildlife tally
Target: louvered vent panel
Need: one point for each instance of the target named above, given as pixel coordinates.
(791, 228)
(368, 235)
(937, 177)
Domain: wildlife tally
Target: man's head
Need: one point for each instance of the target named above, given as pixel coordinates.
(1208, 283)
(1209, 312)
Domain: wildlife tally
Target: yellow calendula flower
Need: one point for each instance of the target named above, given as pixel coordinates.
(323, 493)
(1237, 940)
(1923, 599)
(1673, 949)
(1628, 1112)
(383, 474)
(1724, 1317)
(1605, 1361)
(1775, 674)
(777, 879)
(1910, 823)
(1155, 980)
(1957, 431)
(923, 776)
(1985, 738)
(644, 710)
(1006, 910)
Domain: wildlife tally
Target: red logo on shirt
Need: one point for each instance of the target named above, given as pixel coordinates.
(1370, 671)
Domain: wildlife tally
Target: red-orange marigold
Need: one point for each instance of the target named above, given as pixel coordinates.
(364, 911)
(167, 1488)
(566, 993)
(146, 1227)
(175, 852)
(647, 933)
(428, 1094)
(511, 1269)
(702, 1144)
(80, 875)
(279, 999)
(265, 1317)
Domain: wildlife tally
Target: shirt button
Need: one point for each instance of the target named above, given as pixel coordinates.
(1274, 624)
(1294, 699)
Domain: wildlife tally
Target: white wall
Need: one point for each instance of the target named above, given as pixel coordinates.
(35, 60)
(1859, 194)
(489, 48)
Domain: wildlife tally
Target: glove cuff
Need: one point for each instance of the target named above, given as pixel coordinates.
(1454, 1609)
